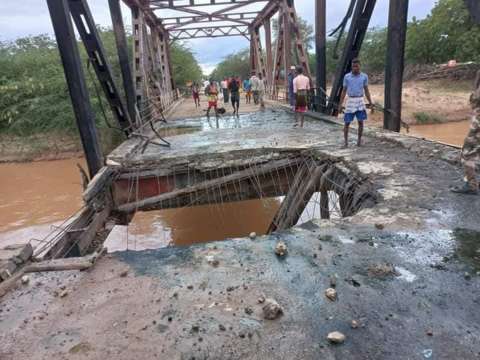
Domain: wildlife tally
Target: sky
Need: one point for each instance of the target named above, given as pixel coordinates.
(30, 17)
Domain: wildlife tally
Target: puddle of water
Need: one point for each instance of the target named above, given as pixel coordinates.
(197, 224)
(468, 246)
(451, 133)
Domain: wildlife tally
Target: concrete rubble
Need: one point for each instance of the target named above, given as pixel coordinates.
(12, 258)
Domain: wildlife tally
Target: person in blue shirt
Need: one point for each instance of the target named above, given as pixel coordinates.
(355, 85)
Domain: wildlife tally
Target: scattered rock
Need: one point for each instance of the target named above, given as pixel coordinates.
(82, 347)
(281, 249)
(190, 287)
(213, 261)
(222, 327)
(63, 293)
(124, 273)
(230, 288)
(354, 324)
(248, 311)
(253, 235)
(380, 226)
(331, 294)
(25, 279)
(271, 309)
(195, 328)
(467, 276)
(261, 299)
(382, 270)
(429, 332)
(336, 337)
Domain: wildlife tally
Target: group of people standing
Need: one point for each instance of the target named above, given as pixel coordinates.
(230, 88)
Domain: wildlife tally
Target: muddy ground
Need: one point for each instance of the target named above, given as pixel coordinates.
(406, 270)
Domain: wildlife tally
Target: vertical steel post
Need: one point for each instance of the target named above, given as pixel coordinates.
(253, 60)
(287, 46)
(321, 51)
(397, 32)
(84, 115)
(268, 49)
(122, 51)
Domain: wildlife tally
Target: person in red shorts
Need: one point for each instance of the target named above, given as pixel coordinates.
(212, 95)
(196, 94)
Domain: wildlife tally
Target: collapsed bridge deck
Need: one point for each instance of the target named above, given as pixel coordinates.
(399, 263)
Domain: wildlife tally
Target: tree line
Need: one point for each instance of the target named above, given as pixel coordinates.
(34, 96)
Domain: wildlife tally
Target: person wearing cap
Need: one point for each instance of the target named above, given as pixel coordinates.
(291, 95)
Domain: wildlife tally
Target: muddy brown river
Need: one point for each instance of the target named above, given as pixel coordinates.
(37, 196)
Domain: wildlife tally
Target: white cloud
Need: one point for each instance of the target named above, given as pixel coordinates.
(31, 17)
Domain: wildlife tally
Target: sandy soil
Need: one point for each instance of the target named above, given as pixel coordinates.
(446, 100)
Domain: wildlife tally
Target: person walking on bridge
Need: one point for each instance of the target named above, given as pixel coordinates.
(471, 147)
(247, 87)
(234, 88)
(224, 86)
(301, 87)
(355, 85)
(254, 83)
(212, 94)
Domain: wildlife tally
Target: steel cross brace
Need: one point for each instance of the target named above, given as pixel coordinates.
(358, 28)
(96, 53)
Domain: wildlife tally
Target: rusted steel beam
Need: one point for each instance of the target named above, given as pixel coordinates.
(397, 33)
(138, 56)
(169, 62)
(219, 14)
(123, 58)
(257, 45)
(253, 61)
(214, 31)
(148, 13)
(158, 4)
(97, 56)
(82, 107)
(277, 65)
(300, 47)
(267, 12)
(247, 15)
(321, 51)
(287, 44)
(268, 51)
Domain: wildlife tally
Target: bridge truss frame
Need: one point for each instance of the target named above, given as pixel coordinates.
(148, 85)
